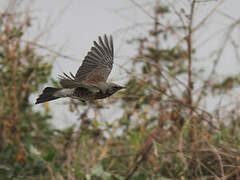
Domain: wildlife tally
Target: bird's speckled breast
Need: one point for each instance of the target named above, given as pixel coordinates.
(85, 94)
(101, 95)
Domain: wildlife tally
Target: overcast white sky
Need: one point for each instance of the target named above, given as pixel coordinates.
(74, 24)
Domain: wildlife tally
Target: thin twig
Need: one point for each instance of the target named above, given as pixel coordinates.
(189, 45)
(49, 50)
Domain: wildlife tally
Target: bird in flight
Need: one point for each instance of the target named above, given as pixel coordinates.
(89, 83)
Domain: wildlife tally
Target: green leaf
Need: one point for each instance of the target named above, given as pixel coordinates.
(98, 171)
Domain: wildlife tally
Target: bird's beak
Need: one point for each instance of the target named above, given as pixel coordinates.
(123, 87)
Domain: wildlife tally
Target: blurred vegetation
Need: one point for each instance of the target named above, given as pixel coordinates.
(23, 130)
(164, 132)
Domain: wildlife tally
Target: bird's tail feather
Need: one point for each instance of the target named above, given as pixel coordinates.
(47, 95)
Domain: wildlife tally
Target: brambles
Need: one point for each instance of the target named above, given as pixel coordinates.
(161, 133)
(22, 129)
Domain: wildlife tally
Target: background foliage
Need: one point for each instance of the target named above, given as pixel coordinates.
(166, 132)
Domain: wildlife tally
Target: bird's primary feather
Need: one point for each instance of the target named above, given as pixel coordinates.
(97, 61)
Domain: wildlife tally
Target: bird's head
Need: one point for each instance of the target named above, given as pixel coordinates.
(112, 88)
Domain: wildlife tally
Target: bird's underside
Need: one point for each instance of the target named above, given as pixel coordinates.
(85, 94)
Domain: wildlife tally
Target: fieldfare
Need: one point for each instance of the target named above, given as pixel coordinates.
(89, 83)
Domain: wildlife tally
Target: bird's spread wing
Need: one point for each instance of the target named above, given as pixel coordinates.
(67, 81)
(98, 63)
(95, 68)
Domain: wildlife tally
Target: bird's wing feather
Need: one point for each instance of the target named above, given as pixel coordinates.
(98, 63)
(67, 81)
